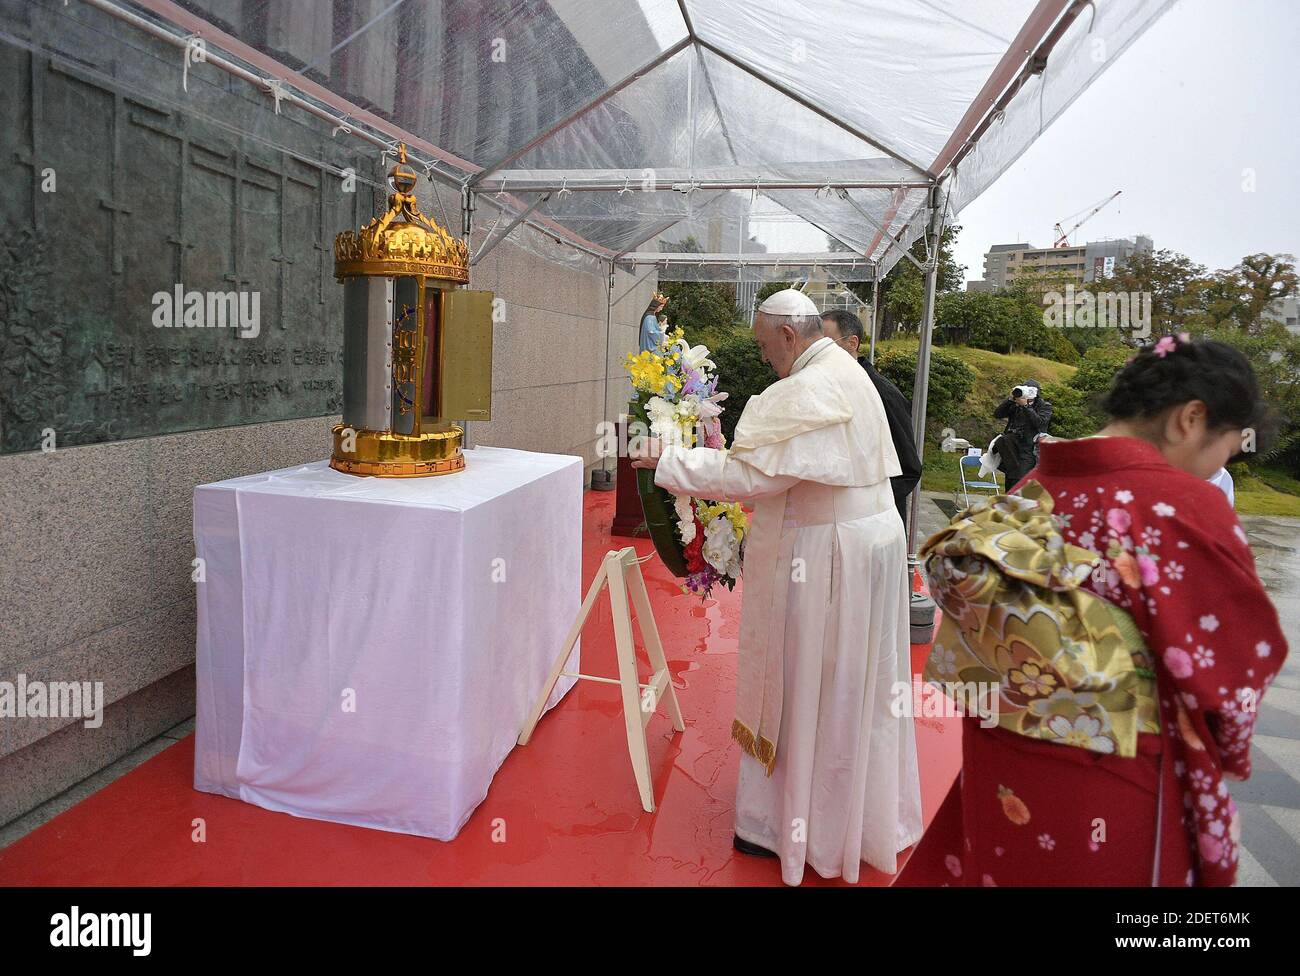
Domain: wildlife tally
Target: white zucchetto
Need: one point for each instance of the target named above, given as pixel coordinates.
(789, 301)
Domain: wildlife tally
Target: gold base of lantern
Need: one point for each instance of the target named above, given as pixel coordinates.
(383, 454)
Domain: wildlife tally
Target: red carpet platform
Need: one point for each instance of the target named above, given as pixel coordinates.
(566, 803)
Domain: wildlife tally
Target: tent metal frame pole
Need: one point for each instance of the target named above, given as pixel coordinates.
(831, 117)
(546, 230)
(634, 285)
(758, 259)
(668, 225)
(844, 195)
(686, 186)
(609, 318)
(573, 116)
(921, 389)
(353, 120)
(501, 235)
(899, 197)
(212, 35)
(875, 303)
(1025, 56)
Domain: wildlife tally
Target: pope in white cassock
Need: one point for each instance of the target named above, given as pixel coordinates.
(829, 775)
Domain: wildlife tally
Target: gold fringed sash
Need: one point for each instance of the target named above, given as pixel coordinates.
(764, 750)
(760, 666)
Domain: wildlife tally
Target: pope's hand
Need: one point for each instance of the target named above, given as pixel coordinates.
(644, 452)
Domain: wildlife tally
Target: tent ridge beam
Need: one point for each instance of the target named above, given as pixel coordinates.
(574, 116)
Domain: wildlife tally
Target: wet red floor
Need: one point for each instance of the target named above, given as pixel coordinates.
(567, 802)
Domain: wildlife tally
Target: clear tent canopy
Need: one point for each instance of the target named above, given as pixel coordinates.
(739, 140)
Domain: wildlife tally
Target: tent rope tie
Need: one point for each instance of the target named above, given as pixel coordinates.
(564, 190)
(627, 187)
(342, 127)
(195, 51)
(276, 89)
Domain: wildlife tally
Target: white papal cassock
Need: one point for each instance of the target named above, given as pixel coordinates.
(824, 624)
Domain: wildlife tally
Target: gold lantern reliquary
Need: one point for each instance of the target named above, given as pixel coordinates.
(417, 347)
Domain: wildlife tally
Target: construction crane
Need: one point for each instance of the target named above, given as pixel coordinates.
(1063, 236)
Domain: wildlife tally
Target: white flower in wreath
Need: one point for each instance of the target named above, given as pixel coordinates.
(685, 510)
(721, 548)
(695, 357)
(662, 416)
(671, 423)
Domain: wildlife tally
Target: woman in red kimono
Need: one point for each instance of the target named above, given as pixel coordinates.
(1175, 557)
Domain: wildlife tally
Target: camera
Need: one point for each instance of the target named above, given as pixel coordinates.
(1025, 392)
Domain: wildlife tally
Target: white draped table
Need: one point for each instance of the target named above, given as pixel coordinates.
(368, 649)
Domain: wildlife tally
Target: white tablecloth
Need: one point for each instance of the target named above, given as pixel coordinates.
(437, 605)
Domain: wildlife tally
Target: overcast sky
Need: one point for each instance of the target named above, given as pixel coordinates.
(1211, 90)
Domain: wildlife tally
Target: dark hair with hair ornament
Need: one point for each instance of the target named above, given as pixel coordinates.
(1175, 370)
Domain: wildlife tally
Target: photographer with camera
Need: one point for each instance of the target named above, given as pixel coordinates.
(1028, 416)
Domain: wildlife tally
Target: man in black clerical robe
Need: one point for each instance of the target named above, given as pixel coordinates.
(846, 329)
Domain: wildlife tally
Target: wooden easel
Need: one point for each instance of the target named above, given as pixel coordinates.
(621, 571)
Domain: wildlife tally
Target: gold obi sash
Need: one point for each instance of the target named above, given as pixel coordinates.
(1069, 666)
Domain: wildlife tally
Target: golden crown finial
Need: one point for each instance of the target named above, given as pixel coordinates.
(403, 241)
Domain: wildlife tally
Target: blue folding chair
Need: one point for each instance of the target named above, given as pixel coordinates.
(971, 463)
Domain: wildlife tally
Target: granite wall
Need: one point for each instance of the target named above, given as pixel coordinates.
(97, 544)
(95, 540)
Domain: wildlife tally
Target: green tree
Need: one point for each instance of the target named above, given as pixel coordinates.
(705, 310)
(741, 374)
(1093, 379)
(905, 309)
(1238, 297)
(951, 381)
(1172, 280)
(1275, 355)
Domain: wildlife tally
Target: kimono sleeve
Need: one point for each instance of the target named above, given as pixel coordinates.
(1210, 622)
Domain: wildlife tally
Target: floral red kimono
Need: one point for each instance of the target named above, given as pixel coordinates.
(1176, 558)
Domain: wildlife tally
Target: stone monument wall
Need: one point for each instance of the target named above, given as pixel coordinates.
(152, 188)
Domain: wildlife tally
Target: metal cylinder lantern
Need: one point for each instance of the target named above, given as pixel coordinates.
(417, 346)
